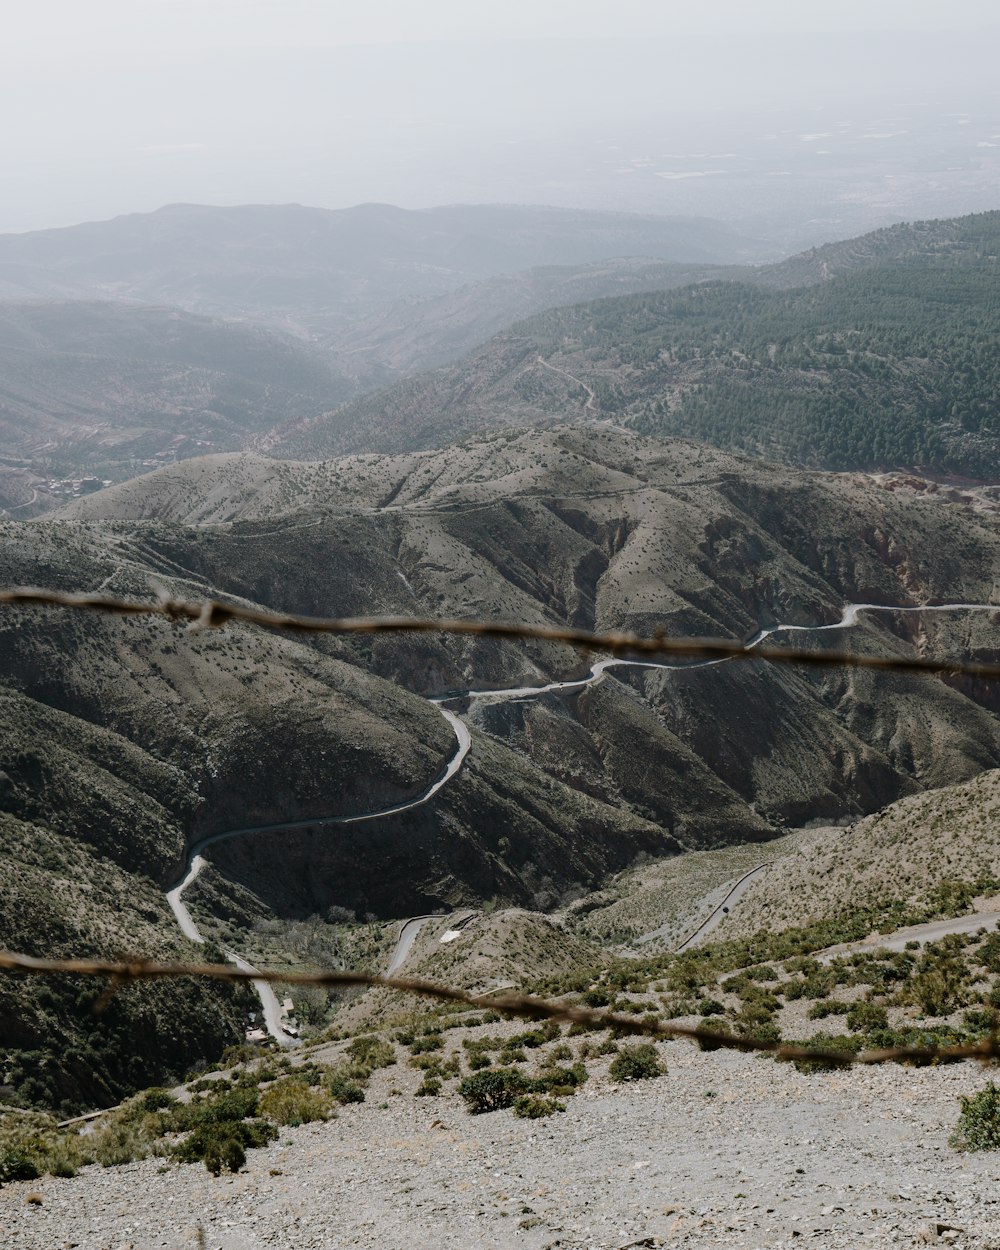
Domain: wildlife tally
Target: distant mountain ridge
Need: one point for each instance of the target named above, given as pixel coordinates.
(884, 359)
(315, 263)
(309, 308)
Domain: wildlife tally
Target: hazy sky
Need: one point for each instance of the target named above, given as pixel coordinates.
(114, 106)
(44, 27)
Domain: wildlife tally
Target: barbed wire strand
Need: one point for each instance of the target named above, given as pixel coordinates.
(526, 1006)
(212, 614)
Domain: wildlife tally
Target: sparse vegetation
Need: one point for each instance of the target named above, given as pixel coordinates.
(978, 1125)
(636, 1063)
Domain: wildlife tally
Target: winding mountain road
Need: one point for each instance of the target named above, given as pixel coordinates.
(196, 861)
(591, 404)
(716, 916)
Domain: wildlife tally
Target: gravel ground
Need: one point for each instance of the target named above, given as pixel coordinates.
(726, 1149)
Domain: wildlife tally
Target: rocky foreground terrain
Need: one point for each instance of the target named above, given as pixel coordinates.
(724, 1150)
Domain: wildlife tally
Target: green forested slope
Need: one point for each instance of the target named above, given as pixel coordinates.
(889, 363)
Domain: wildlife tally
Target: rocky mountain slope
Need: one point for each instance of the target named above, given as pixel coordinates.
(911, 850)
(131, 739)
(884, 361)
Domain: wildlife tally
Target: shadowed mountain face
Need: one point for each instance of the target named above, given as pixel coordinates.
(126, 740)
(600, 529)
(884, 361)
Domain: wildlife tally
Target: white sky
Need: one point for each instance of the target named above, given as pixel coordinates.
(113, 106)
(41, 28)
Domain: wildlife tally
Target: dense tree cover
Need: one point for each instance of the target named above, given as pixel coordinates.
(889, 366)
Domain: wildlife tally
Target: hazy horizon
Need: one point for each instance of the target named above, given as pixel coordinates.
(793, 124)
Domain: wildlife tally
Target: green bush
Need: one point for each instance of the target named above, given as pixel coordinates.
(233, 1104)
(368, 1053)
(978, 1125)
(65, 1156)
(636, 1063)
(493, 1089)
(292, 1102)
(555, 1080)
(221, 1144)
(596, 998)
(421, 1045)
(865, 1017)
(534, 1106)
(827, 1007)
(152, 1100)
(826, 1041)
(430, 1087)
(981, 1022)
(120, 1142)
(343, 1089)
(17, 1163)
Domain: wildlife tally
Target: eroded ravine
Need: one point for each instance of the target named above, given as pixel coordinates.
(463, 739)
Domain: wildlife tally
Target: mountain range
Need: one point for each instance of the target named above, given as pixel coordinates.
(872, 354)
(126, 741)
(139, 341)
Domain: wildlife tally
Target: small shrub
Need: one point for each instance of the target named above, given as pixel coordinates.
(865, 1017)
(492, 1090)
(596, 998)
(430, 1087)
(291, 1102)
(554, 1080)
(234, 1104)
(221, 1144)
(980, 1022)
(119, 1142)
(153, 1100)
(65, 1156)
(978, 1125)
(430, 1041)
(17, 1163)
(343, 1089)
(826, 1041)
(829, 1007)
(534, 1106)
(636, 1063)
(369, 1053)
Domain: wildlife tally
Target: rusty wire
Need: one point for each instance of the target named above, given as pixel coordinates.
(526, 1006)
(212, 614)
